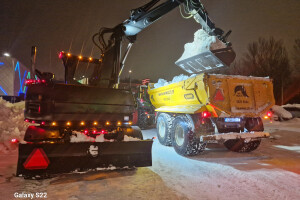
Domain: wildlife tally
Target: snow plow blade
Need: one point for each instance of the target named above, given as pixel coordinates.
(208, 61)
(45, 159)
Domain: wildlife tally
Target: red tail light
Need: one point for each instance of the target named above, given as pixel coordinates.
(33, 81)
(86, 131)
(37, 160)
(104, 132)
(146, 113)
(94, 131)
(269, 114)
(14, 140)
(206, 114)
(61, 54)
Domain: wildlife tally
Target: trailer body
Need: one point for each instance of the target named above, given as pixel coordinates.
(216, 108)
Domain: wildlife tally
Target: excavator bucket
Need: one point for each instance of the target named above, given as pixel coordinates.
(47, 159)
(208, 61)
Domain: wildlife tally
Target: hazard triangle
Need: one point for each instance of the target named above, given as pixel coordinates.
(219, 95)
(37, 160)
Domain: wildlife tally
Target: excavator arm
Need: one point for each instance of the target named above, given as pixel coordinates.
(107, 75)
(144, 16)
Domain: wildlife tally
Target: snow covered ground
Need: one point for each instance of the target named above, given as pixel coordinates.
(270, 172)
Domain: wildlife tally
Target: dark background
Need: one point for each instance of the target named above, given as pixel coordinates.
(55, 25)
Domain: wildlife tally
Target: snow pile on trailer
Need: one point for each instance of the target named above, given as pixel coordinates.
(81, 137)
(162, 82)
(12, 123)
(201, 43)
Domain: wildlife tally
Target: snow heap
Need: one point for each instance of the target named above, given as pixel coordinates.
(281, 112)
(162, 82)
(12, 123)
(201, 43)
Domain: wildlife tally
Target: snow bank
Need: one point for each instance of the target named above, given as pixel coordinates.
(281, 112)
(12, 123)
(291, 106)
(176, 79)
(201, 43)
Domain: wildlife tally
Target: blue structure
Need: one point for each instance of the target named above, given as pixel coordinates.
(12, 77)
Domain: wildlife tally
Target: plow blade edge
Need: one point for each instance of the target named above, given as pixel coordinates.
(42, 160)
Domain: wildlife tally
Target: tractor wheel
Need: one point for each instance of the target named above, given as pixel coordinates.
(183, 138)
(142, 120)
(134, 132)
(239, 145)
(163, 126)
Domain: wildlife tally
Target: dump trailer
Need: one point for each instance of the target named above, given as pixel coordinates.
(210, 108)
(61, 113)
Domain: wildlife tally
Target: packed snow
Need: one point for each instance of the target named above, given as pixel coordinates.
(12, 123)
(281, 112)
(291, 106)
(162, 82)
(201, 43)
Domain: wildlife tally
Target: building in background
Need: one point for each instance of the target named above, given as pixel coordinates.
(12, 78)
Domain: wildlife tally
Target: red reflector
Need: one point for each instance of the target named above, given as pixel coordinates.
(37, 160)
(219, 95)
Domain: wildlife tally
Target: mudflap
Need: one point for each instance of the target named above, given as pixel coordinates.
(208, 61)
(47, 159)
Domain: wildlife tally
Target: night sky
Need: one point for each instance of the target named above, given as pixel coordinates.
(55, 25)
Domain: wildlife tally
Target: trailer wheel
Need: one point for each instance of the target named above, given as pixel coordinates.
(239, 145)
(163, 126)
(184, 139)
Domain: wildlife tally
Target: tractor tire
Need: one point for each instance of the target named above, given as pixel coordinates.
(239, 145)
(134, 132)
(184, 139)
(142, 120)
(163, 126)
